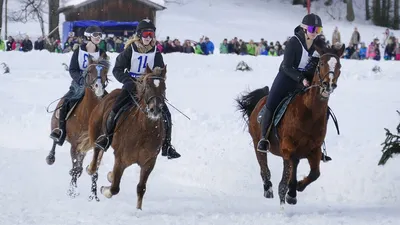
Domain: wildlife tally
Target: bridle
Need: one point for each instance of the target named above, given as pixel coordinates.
(322, 84)
(147, 101)
(92, 84)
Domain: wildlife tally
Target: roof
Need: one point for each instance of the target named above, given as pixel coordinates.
(72, 4)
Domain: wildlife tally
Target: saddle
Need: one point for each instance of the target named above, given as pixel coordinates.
(281, 109)
(71, 110)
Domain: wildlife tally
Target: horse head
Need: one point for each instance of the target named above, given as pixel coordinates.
(328, 69)
(151, 92)
(96, 75)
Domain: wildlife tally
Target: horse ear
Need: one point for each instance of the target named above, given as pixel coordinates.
(148, 70)
(90, 59)
(339, 49)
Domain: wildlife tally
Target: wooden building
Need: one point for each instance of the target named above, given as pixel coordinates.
(117, 10)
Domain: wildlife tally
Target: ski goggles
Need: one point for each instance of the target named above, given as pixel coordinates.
(314, 29)
(96, 34)
(147, 33)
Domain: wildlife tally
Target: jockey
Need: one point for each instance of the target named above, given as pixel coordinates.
(79, 63)
(298, 66)
(129, 66)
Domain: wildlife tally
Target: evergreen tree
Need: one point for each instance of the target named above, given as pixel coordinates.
(391, 145)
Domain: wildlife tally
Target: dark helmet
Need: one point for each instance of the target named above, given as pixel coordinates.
(92, 30)
(145, 24)
(312, 20)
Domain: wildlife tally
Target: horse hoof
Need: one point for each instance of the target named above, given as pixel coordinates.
(269, 193)
(110, 177)
(106, 191)
(50, 159)
(300, 187)
(291, 200)
(88, 170)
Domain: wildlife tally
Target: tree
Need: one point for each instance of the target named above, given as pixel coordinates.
(391, 145)
(350, 11)
(298, 2)
(54, 19)
(1, 14)
(396, 19)
(30, 9)
(367, 14)
(6, 20)
(376, 12)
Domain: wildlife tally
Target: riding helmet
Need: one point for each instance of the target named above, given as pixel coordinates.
(312, 20)
(92, 29)
(145, 24)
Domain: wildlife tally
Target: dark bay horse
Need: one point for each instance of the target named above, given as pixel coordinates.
(138, 135)
(302, 129)
(78, 119)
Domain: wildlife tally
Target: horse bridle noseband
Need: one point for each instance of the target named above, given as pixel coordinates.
(99, 68)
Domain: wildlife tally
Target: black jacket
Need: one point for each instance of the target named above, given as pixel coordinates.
(123, 63)
(74, 69)
(292, 55)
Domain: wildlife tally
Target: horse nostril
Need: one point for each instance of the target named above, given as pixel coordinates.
(151, 110)
(334, 86)
(325, 84)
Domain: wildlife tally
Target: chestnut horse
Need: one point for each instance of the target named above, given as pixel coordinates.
(138, 135)
(77, 121)
(302, 129)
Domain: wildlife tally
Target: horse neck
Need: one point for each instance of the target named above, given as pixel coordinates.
(314, 102)
(90, 98)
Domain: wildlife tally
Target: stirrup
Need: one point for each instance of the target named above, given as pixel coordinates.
(104, 148)
(264, 151)
(54, 130)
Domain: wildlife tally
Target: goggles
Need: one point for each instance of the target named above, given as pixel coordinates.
(314, 29)
(148, 33)
(96, 34)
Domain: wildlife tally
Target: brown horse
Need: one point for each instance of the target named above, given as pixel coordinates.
(138, 135)
(77, 121)
(302, 129)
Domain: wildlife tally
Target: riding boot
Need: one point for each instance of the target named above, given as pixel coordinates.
(167, 149)
(324, 157)
(104, 141)
(59, 134)
(263, 144)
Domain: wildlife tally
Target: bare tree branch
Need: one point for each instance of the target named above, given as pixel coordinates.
(30, 10)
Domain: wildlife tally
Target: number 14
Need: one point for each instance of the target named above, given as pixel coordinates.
(140, 62)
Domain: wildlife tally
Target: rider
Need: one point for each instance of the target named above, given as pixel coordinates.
(298, 66)
(78, 64)
(127, 68)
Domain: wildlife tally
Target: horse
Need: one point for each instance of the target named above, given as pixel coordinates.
(77, 119)
(138, 136)
(301, 130)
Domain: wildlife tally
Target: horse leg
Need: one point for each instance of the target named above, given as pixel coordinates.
(92, 167)
(117, 172)
(144, 175)
(314, 161)
(265, 172)
(283, 185)
(292, 193)
(92, 170)
(76, 171)
(51, 158)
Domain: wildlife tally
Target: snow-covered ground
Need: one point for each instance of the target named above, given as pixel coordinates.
(216, 181)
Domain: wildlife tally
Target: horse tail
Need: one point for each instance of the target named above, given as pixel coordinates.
(84, 143)
(247, 102)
